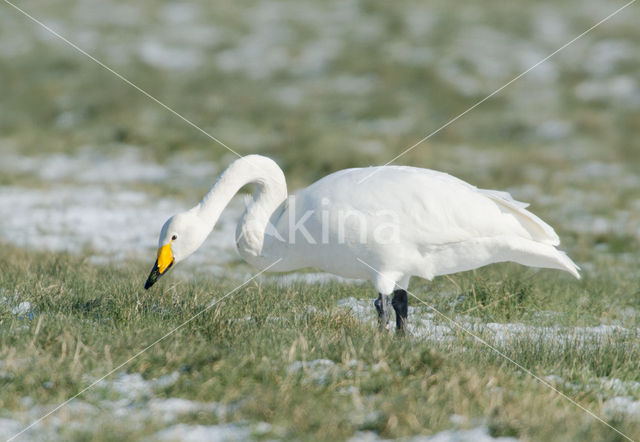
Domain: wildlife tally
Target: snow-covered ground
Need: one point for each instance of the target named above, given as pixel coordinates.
(136, 402)
(89, 202)
(424, 323)
(133, 402)
(477, 434)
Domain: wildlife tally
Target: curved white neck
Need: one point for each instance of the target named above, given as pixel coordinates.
(270, 193)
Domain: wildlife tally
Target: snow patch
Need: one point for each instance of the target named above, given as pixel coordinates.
(129, 399)
(92, 166)
(69, 218)
(619, 387)
(199, 433)
(478, 434)
(621, 89)
(170, 409)
(87, 166)
(114, 224)
(170, 56)
(622, 406)
(134, 386)
(22, 309)
(423, 324)
(317, 370)
(9, 428)
(359, 308)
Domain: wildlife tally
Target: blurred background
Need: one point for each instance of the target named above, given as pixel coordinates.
(88, 163)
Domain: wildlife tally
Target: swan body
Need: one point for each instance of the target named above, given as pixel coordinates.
(384, 224)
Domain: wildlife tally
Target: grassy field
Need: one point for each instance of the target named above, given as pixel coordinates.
(90, 168)
(298, 358)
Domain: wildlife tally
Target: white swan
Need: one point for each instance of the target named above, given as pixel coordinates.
(397, 223)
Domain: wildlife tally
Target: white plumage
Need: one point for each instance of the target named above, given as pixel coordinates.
(385, 224)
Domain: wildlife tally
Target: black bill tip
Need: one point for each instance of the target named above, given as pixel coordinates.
(153, 276)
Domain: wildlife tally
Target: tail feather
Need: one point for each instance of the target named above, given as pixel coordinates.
(568, 264)
(538, 229)
(535, 254)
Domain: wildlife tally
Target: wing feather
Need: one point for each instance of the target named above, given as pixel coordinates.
(539, 230)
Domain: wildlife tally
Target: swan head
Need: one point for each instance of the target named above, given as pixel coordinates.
(180, 236)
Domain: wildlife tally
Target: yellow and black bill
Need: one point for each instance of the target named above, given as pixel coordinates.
(163, 263)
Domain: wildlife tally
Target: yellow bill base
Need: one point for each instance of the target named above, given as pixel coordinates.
(165, 258)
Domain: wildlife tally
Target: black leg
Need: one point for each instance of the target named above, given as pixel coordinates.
(401, 306)
(383, 305)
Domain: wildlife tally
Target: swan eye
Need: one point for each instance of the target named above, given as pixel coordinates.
(174, 237)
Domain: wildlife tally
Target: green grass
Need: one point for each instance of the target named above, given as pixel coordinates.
(90, 318)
